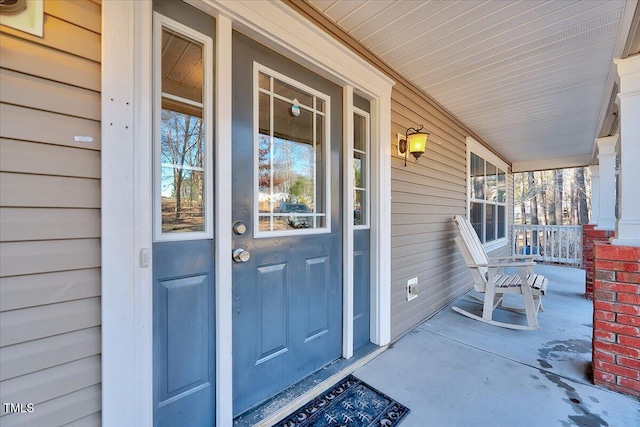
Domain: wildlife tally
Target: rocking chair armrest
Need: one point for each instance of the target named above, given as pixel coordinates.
(505, 264)
(530, 257)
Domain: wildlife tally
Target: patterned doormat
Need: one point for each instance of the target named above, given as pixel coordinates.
(350, 403)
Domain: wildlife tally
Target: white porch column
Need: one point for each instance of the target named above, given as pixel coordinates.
(595, 194)
(628, 225)
(607, 156)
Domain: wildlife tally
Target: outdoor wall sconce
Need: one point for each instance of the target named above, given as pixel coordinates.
(414, 142)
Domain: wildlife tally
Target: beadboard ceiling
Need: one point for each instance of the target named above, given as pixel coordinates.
(532, 78)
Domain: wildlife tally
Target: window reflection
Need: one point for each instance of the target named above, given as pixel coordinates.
(291, 164)
(360, 168)
(182, 137)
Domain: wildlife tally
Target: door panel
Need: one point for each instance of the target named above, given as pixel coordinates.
(361, 289)
(287, 309)
(183, 250)
(184, 340)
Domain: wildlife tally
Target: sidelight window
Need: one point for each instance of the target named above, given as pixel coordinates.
(361, 155)
(183, 134)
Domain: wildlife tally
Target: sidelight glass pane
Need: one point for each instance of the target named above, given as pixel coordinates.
(180, 138)
(359, 170)
(182, 200)
(320, 165)
(182, 66)
(360, 167)
(476, 175)
(476, 219)
(360, 132)
(359, 208)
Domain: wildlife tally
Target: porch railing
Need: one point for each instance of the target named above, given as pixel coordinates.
(551, 243)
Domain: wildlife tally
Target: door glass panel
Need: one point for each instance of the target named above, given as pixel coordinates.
(182, 150)
(291, 92)
(291, 162)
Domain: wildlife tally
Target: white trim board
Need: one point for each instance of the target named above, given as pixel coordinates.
(127, 387)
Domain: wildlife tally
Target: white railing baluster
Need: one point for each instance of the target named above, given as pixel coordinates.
(559, 243)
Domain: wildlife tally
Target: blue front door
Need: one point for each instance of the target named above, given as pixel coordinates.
(287, 278)
(183, 248)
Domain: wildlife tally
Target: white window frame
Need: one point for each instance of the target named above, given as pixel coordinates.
(160, 22)
(478, 149)
(366, 178)
(257, 69)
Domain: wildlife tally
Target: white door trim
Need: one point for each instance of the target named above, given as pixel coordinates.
(347, 223)
(223, 224)
(127, 377)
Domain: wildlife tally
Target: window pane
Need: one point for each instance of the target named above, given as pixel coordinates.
(320, 168)
(182, 200)
(182, 138)
(502, 187)
(359, 207)
(359, 132)
(182, 66)
(490, 224)
(359, 170)
(182, 172)
(502, 217)
(477, 177)
(291, 92)
(492, 183)
(264, 81)
(476, 219)
(291, 164)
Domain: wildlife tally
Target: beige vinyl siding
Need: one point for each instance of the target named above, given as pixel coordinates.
(50, 218)
(425, 196)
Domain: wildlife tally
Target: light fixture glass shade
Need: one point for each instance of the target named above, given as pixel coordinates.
(417, 143)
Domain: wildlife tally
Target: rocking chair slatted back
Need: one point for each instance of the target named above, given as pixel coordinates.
(472, 250)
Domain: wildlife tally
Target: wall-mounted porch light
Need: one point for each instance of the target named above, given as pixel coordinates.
(415, 142)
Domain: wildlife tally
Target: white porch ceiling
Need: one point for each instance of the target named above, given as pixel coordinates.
(532, 78)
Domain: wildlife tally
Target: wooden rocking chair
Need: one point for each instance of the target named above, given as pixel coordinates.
(489, 278)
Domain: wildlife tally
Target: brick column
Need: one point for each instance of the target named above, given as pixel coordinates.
(616, 318)
(589, 236)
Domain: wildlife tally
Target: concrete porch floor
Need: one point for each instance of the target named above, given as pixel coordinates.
(455, 371)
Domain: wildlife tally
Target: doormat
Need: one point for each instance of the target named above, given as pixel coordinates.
(351, 403)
